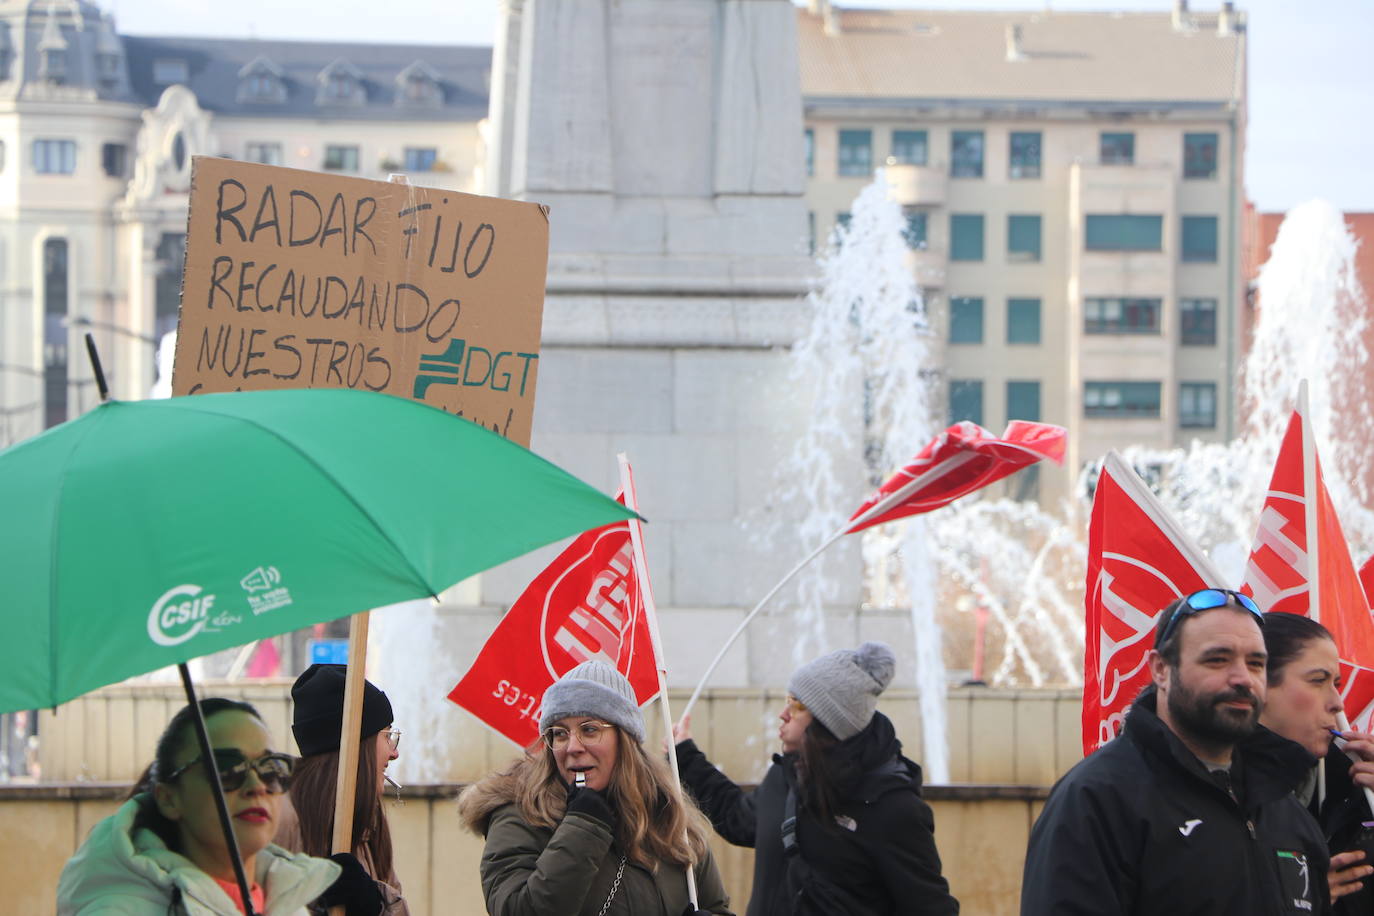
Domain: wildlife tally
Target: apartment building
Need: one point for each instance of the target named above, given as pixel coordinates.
(1073, 188)
(97, 131)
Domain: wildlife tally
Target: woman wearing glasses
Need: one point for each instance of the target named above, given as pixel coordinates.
(164, 851)
(1302, 702)
(317, 723)
(837, 825)
(589, 825)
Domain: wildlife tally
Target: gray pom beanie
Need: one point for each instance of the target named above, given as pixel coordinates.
(593, 689)
(841, 689)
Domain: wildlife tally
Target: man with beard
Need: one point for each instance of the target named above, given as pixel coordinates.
(1190, 810)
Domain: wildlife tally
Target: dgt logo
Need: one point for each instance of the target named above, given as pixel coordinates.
(172, 622)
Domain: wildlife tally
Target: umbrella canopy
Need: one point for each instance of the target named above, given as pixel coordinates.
(147, 533)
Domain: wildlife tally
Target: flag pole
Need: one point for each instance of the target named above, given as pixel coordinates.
(1309, 517)
(876, 510)
(646, 593)
(345, 788)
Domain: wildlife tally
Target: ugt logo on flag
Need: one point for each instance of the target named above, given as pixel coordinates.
(587, 604)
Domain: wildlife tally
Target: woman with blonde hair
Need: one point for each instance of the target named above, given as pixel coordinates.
(590, 824)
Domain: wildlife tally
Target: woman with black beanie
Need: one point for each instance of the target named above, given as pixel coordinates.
(317, 723)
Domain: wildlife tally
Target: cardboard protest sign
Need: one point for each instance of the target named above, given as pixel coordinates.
(299, 279)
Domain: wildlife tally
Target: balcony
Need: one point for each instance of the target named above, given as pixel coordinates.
(917, 185)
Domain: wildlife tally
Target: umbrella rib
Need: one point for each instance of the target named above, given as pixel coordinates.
(324, 473)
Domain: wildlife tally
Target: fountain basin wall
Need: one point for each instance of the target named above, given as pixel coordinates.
(1021, 737)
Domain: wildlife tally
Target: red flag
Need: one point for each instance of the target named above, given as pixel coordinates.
(586, 604)
(1280, 564)
(1139, 561)
(1357, 695)
(963, 458)
(1367, 580)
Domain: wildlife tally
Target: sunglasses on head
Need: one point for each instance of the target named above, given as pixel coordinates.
(1206, 600)
(274, 770)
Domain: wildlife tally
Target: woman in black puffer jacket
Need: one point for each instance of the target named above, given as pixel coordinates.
(838, 826)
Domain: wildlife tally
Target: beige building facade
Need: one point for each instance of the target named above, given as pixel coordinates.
(97, 132)
(1073, 188)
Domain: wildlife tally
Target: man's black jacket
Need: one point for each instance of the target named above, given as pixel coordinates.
(1141, 827)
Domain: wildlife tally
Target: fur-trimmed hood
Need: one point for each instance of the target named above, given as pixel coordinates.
(480, 800)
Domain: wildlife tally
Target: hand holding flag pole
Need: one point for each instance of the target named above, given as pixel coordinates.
(963, 458)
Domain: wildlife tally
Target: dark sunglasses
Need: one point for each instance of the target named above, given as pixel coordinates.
(1206, 600)
(273, 769)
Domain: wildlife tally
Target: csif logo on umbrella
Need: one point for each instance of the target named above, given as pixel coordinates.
(181, 613)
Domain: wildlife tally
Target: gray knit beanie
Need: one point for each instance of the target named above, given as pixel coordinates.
(841, 689)
(593, 689)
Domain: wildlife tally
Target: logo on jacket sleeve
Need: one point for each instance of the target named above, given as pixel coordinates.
(1296, 879)
(1189, 826)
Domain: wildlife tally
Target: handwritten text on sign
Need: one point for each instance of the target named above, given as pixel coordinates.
(302, 280)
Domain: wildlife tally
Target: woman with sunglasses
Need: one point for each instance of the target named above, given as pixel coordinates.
(588, 824)
(1302, 702)
(308, 824)
(838, 825)
(164, 851)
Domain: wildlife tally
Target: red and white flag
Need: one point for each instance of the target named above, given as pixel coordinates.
(1280, 571)
(963, 458)
(586, 604)
(1139, 561)
(1367, 580)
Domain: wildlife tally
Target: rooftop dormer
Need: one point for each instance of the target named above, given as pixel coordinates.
(340, 83)
(262, 82)
(417, 86)
(52, 51)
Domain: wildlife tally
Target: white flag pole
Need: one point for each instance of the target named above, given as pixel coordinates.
(1309, 517)
(646, 593)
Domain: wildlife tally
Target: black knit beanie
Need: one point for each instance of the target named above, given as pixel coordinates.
(317, 721)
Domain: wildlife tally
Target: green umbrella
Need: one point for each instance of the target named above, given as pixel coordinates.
(147, 533)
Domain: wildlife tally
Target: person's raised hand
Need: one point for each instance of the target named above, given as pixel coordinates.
(355, 890)
(1358, 745)
(1347, 873)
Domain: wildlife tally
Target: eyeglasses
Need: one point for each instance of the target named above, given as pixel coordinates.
(589, 734)
(795, 706)
(1206, 600)
(274, 770)
(393, 737)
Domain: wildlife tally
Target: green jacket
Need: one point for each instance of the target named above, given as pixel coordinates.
(122, 872)
(532, 871)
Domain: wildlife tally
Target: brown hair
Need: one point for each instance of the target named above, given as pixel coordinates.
(816, 772)
(652, 826)
(312, 795)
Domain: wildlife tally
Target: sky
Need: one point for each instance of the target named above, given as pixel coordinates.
(1311, 68)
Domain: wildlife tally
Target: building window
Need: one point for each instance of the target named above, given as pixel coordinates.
(1023, 237)
(1197, 405)
(418, 85)
(114, 158)
(2, 155)
(1023, 401)
(261, 82)
(1199, 155)
(809, 141)
(965, 320)
(965, 400)
(53, 66)
(420, 159)
(340, 84)
(1025, 154)
(54, 157)
(1023, 321)
(966, 236)
(1117, 148)
(169, 70)
(1197, 322)
(909, 147)
(966, 154)
(856, 152)
(55, 331)
(1121, 399)
(107, 67)
(171, 257)
(1199, 238)
(1123, 232)
(341, 158)
(915, 230)
(266, 153)
(842, 220)
(1121, 316)
(811, 231)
